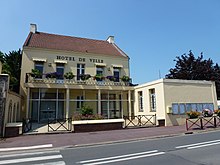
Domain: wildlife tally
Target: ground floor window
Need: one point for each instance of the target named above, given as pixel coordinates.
(47, 104)
(182, 108)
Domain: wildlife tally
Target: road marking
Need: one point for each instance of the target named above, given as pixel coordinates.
(53, 163)
(128, 158)
(22, 160)
(115, 157)
(205, 145)
(26, 148)
(121, 157)
(196, 144)
(27, 154)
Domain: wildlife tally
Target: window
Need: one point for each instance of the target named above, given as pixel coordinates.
(99, 71)
(79, 103)
(39, 66)
(80, 70)
(152, 100)
(140, 101)
(182, 108)
(60, 70)
(116, 74)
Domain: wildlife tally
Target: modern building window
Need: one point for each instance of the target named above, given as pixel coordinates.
(182, 108)
(60, 70)
(80, 70)
(39, 65)
(79, 103)
(152, 99)
(140, 101)
(116, 73)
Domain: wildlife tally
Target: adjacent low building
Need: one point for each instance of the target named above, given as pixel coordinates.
(170, 99)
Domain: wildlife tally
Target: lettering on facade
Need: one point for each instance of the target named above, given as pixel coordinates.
(93, 60)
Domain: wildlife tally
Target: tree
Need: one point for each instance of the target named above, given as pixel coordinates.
(190, 68)
(12, 66)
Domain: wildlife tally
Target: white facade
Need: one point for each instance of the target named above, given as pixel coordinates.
(170, 99)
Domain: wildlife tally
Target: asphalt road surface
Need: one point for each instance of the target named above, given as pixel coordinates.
(198, 149)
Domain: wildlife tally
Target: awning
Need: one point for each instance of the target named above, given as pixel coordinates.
(117, 66)
(100, 64)
(39, 59)
(60, 61)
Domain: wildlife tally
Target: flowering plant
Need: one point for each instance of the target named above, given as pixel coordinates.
(84, 76)
(53, 75)
(217, 112)
(207, 113)
(111, 78)
(79, 116)
(193, 114)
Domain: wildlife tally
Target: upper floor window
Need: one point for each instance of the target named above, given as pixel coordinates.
(99, 71)
(140, 101)
(152, 99)
(60, 70)
(39, 65)
(116, 74)
(80, 70)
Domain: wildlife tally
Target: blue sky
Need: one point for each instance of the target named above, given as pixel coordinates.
(151, 32)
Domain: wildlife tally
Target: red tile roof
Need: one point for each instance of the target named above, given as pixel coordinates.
(76, 44)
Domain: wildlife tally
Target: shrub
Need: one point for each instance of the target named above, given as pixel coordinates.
(35, 73)
(217, 112)
(126, 78)
(69, 75)
(84, 76)
(193, 114)
(111, 78)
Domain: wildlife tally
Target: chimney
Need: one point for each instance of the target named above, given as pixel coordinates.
(111, 39)
(33, 28)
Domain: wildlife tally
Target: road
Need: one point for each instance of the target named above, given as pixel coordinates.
(196, 149)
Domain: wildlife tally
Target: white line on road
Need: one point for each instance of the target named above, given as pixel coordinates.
(205, 145)
(196, 144)
(53, 163)
(128, 158)
(22, 160)
(115, 157)
(28, 154)
(26, 148)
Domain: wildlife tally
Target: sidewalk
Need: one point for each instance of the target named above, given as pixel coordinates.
(79, 139)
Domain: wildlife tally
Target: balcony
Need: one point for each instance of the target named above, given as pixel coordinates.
(91, 81)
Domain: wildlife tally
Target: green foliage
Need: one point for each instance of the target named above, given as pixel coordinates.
(69, 75)
(12, 66)
(86, 110)
(85, 76)
(217, 112)
(193, 114)
(35, 73)
(126, 78)
(99, 77)
(189, 67)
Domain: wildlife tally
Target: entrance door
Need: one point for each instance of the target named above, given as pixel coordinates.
(47, 110)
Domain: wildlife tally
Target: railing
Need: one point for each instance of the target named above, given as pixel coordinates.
(64, 124)
(140, 120)
(26, 125)
(203, 122)
(73, 81)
